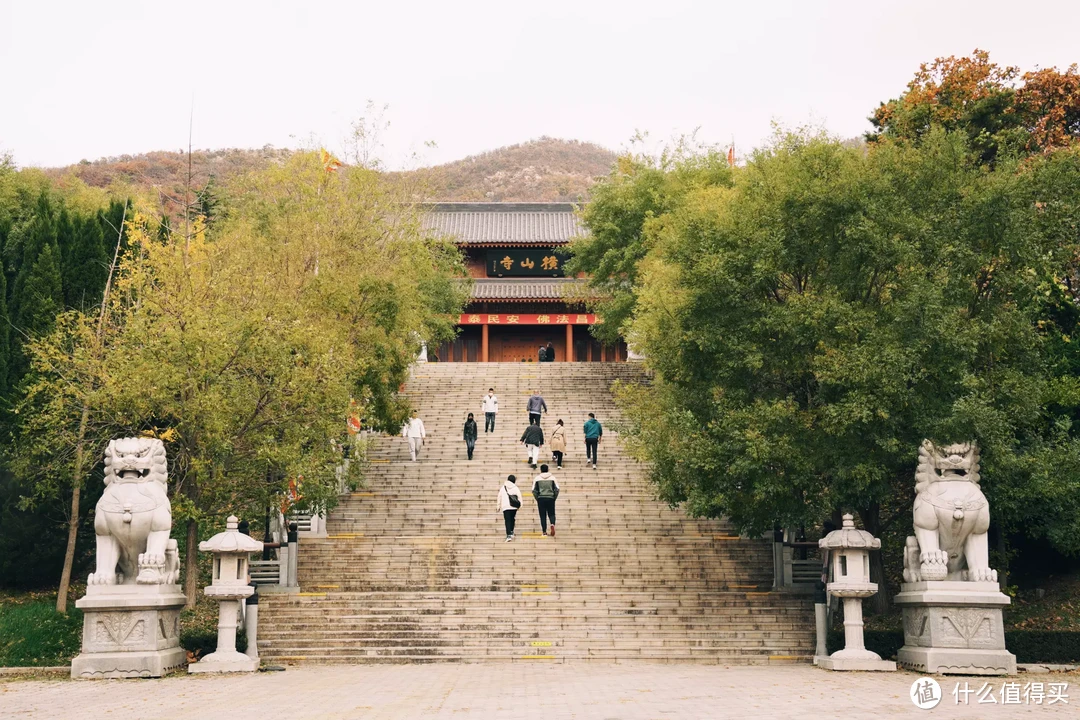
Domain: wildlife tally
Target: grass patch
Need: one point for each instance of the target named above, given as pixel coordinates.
(1057, 609)
(33, 634)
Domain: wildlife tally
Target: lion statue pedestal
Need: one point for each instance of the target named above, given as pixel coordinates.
(950, 597)
(131, 611)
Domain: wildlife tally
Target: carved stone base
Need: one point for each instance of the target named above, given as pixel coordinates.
(130, 631)
(957, 662)
(954, 627)
(831, 662)
(224, 661)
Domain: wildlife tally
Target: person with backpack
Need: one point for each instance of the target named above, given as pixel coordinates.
(508, 503)
(470, 435)
(542, 355)
(594, 432)
(535, 406)
(545, 489)
(490, 406)
(558, 444)
(533, 440)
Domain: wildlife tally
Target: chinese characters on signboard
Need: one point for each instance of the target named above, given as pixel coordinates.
(511, 262)
(528, 319)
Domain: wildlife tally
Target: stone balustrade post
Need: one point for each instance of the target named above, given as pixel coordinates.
(251, 626)
(293, 555)
(283, 565)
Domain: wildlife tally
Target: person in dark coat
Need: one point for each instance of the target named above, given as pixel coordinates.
(545, 489)
(533, 440)
(470, 434)
(549, 353)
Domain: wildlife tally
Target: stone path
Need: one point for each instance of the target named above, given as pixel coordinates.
(516, 691)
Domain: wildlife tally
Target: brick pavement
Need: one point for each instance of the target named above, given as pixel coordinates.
(514, 691)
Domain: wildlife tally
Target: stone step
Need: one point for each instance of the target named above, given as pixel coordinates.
(419, 572)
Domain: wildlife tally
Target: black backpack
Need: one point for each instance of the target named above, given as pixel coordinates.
(515, 500)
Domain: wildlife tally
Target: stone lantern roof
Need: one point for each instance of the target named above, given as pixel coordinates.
(849, 537)
(231, 541)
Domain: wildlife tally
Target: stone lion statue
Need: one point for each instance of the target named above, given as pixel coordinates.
(133, 518)
(951, 517)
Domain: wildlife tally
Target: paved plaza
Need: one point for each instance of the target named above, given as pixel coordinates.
(519, 691)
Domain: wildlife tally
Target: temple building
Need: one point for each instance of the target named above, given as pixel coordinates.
(521, 298)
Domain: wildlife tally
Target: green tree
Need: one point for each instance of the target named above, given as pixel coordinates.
(40, 296)
(5, 337)
(164, 231)
(622, 221)
(243, 350)
(112, 222)
(208, 203)
(65, 235)
(86, 264)
(26, 242)
(810, 325)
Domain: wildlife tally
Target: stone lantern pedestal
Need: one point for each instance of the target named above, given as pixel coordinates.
(229, 586)
(850, 548)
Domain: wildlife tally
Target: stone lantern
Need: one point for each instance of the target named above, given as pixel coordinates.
(229, 585)
(850, 550)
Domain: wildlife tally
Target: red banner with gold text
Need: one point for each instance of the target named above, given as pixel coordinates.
(528, 319)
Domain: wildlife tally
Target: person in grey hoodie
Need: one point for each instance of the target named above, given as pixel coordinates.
(545, 489)
(535, 406)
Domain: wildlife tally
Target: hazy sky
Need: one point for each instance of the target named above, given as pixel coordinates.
(89, 79)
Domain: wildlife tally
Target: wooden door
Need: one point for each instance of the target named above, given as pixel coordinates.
(516, 349)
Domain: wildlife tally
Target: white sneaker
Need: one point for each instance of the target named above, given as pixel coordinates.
(509, 538)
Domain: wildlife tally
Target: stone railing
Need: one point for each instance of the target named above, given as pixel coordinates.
(796, 565)
(277, 568)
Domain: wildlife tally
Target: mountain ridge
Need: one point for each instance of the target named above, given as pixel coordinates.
(542, 170)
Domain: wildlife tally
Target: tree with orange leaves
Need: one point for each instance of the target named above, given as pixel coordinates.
(1049, 105)
(997, 108)
(971, 94)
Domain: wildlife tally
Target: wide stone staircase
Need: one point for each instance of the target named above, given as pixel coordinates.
(415, 567)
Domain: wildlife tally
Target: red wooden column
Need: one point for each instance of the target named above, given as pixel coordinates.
(569, 343)
(483, 343)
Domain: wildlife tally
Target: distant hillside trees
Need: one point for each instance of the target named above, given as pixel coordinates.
(542, 170)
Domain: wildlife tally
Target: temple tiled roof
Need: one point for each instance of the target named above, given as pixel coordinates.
(525, 289)
(507, 224)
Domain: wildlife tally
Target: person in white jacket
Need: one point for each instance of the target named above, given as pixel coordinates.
(490, 404)
(509, 489)
(414, 431)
